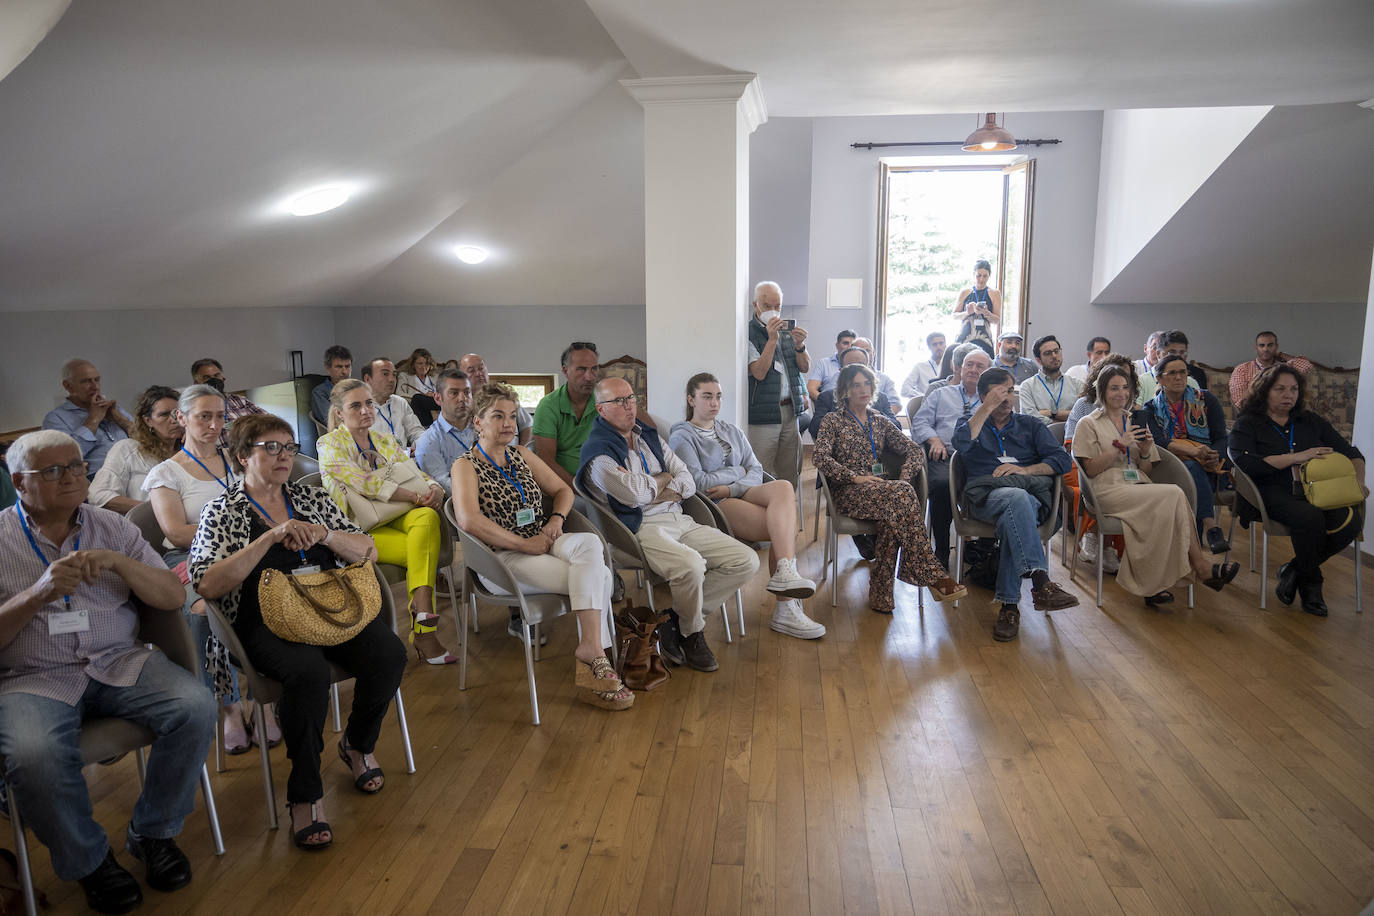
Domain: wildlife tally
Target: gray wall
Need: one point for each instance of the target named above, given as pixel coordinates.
(780, 205)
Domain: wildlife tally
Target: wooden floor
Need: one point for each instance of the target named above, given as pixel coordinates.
(1113, 760)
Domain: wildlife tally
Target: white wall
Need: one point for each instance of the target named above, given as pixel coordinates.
(141, 347)
(1153, 160)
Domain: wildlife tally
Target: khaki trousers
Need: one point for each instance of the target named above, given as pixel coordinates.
(778, 445)
(703, 566)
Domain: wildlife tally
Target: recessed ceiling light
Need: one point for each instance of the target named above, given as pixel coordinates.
(470, 254)
(317, 200)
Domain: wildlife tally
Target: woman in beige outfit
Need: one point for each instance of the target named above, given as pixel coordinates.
(1161, 539)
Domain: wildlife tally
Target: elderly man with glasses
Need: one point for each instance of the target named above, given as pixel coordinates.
(68, 651)
(625, 464)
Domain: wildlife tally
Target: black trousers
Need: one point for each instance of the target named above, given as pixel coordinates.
(375, 657)
(424, 407)
(1317, 533)
(941, 511)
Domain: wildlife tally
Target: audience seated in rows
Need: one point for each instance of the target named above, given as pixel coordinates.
(565, 416)
(1011, 460)
(849, 453)
(1145, 368)
(356, 459)
(1267, 355)
(264, 522)
(1175, 343)
(1049, 394)
(625, 463)
(927, 370)
(156, 436)
(451, 434)
(498, 497)
(393, 413)
(826, 402)
(208, 371)
(49, 589)
(95, 422)
(338, 365)
(725, 470)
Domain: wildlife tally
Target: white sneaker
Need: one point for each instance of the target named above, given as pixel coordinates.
(1110, 561)
(788, 583)
(1087, 549)
(790, 619)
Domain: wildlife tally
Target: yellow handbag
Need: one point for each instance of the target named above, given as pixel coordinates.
(1329, 482)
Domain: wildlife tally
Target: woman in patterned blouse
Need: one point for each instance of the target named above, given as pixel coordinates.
(498, 497)
(354, 456)
(849, 453)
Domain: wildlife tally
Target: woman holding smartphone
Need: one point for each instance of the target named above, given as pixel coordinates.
(1161, 537)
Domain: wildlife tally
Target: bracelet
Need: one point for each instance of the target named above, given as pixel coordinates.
(559, 514)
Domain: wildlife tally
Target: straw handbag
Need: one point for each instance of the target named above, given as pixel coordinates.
(320, 609)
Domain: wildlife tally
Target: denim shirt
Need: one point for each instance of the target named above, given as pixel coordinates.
(1024, 438)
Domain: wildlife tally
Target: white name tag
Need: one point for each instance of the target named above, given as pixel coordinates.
(1006, 459)
(524, 517)
(1131, 475)
(304, 570)
(978, 322)
(68, 622)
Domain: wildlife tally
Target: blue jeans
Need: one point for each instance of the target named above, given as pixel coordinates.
(1013, 510)
(39, 739)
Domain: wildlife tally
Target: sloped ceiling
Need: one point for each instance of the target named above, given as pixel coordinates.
(1287, 217)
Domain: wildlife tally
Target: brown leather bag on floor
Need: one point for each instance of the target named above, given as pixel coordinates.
(641, 667)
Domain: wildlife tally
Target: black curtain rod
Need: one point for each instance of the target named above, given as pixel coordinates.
(947, 143)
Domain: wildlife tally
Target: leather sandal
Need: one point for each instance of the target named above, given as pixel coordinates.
(597, 676)
(620, 699)
(1155, 600)
(1222, 573)
(367, 775)
(316, 828)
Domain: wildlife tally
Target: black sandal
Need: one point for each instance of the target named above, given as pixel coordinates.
(360, 782)
(315, 828)
(1155, 600)
(1222, 573)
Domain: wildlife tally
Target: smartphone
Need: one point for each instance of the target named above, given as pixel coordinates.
(1138, 421)
(789, 323)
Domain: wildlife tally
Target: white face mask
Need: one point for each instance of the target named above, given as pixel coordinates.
(768, 316)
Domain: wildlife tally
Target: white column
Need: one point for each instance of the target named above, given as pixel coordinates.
(696, 233)
(1364, 403)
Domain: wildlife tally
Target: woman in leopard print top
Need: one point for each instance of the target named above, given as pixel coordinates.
(499, 491)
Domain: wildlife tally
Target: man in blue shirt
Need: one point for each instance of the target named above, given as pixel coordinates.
(95, 422)
(933, 427)
(338, 362)
(825, 371)
(451, 435)
(1010, 458)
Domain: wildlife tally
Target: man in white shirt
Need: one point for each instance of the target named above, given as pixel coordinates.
(451, 434)
(1049, 394)
(626, 464)
(825, 371)
(1098, 348)
(927, 370)
(395, 416)
(475, 368)
(1146, 366)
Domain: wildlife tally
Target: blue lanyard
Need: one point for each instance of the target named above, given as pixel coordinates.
(371, 447)
(642, 462)
(968, 409)
(509, 479)
(868, 431)
(289, 514)
(76, 545)
(1278, 429)
(387, 417)
(934, 367)
(978, 299)
(1123, 435)
(456, 439)
(1047, 390)
(228, 474)
(1001, 449)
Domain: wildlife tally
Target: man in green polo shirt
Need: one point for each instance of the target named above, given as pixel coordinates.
(565, 416)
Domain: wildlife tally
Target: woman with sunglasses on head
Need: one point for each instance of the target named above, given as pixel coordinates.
(355, 457)
(179, 488)
(156, 436)
(261, 522)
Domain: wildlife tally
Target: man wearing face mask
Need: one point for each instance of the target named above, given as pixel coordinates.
(208, 371)
(778, 363)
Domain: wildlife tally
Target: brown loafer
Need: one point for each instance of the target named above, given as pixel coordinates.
(1050, 597)
(1008, 624)
(947, 589)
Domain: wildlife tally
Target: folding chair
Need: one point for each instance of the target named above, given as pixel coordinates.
(838, 523)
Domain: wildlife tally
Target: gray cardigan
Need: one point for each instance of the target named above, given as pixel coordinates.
(706, 459)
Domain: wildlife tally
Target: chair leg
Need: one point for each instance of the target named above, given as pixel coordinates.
(141, 759)
(958, 561)
(460, 626)
(1264, 571)
(816, 523)
(833, 548)
(725, 619)
(1359, 561)
(1101, 558)
(463, 662)
(739, 603)
(1230, 535)
(219, 742)
(535, 630)
(405, 732)
(1190, 595)
(529, 673)
(334, 707)
(610, 628)
(1253, 526)
(21, 855)
(210, 811)
(269, 791)
(639, 578)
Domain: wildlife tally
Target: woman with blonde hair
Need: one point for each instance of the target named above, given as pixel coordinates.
(359, 460)
(415, 381)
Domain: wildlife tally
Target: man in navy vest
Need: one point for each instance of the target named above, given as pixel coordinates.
(778, 363)
(625, 464)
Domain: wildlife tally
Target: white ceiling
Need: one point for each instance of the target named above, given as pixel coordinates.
(145, 142)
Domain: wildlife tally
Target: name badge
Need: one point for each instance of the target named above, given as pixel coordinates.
(68, 622)
(877, 469)
(1006, 459)
(978, 322)
(524, 517)
(305, 570)
(1132, 475)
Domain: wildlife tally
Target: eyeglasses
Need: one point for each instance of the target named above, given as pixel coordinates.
(272, 447)
(1172, 373)
(628, 400)
(55, 472)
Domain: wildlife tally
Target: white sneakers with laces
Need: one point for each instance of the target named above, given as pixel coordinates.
(788, 583)
(790, 620)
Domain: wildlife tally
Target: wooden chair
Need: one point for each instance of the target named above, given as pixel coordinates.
(837, 523)
(105, 738)
(1247, 490)
(485, 577)
(267, 690)
(1168, 470)
(967, 527)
